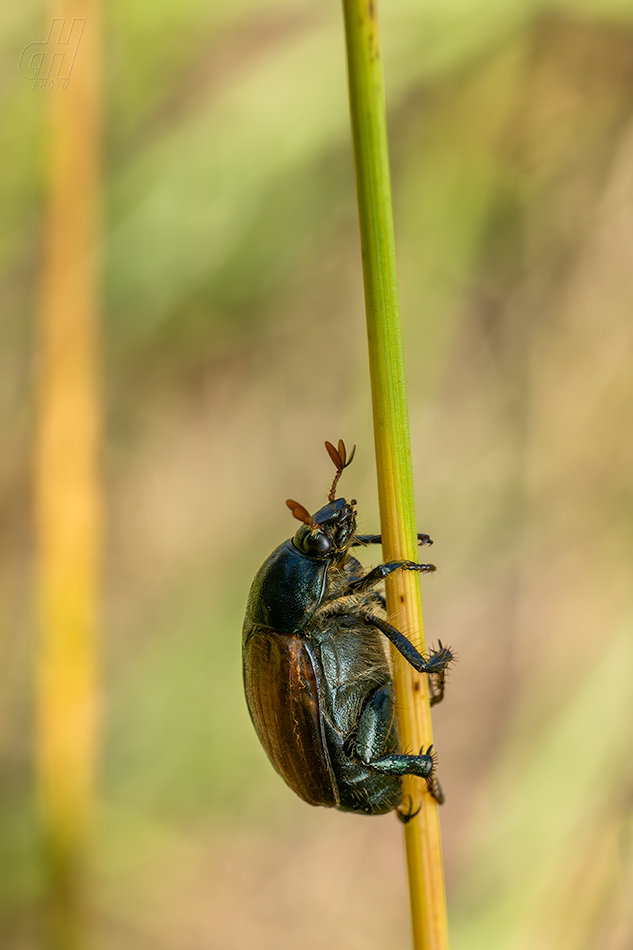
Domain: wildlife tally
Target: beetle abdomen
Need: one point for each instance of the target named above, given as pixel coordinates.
(282, 696)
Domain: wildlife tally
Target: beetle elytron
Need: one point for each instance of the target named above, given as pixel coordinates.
(317, 681)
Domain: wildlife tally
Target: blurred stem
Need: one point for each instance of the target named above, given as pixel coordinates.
(67, 489)
(393, 453)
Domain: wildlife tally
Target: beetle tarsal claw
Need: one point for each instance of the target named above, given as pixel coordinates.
(435, 789)
(405, 815)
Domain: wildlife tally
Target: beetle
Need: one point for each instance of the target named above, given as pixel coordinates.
(317, 681)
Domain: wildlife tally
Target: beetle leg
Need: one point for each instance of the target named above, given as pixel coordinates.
(375, 725)
(377, 539)
(400, 764)
(434, 664)
(374, 730)
(383, 570)
(422, 765)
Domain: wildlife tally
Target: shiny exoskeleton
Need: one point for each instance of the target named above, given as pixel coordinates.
(317, 680)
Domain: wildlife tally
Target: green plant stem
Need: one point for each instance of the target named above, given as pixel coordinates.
(393, 453)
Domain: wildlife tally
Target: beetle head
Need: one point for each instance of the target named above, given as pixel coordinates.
(328, 533)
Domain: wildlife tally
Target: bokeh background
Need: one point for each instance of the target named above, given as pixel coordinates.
(233, 344)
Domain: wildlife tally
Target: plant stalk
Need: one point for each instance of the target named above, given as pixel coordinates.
(393, 453)
(67, 486)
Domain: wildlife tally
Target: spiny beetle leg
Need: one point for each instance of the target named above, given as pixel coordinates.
(383, 570)
(432, 781)
(372, 736)
(398, 763)
(433, 664)
(377, 539)
(437, 679)
(438, 660)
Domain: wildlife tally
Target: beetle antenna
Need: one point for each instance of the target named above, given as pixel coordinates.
(339, 457)
(300, 513)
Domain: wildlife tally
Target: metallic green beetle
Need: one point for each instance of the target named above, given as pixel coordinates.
(317, 681)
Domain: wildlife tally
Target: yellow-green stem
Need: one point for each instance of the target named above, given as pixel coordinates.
(67, 489)
(393, 453)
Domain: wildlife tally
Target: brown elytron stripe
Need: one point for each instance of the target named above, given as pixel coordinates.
(281, 692)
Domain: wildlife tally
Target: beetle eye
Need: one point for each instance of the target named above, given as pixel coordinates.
(316, 545)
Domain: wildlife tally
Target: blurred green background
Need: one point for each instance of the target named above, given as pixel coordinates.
(233, 345)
